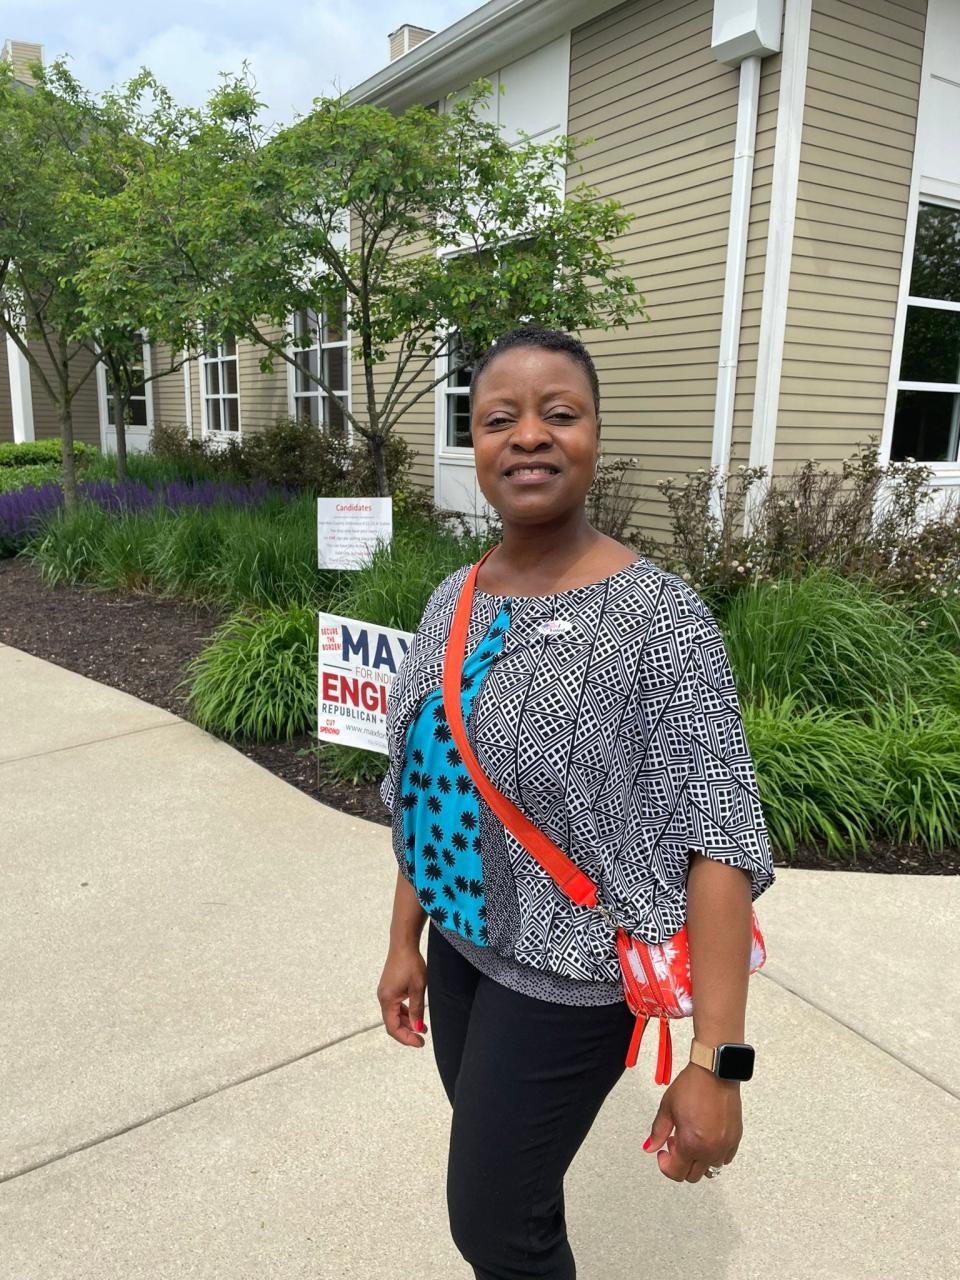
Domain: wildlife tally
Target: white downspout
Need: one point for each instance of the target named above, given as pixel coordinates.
(187, 396)
(747, 108)
(21, 393)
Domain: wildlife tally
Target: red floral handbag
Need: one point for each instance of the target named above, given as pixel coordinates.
(656, 975)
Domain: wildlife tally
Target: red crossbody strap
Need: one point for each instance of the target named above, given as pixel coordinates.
(577, 886)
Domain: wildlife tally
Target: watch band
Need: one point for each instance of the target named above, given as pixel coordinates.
(726, 1061)
(703, 1055)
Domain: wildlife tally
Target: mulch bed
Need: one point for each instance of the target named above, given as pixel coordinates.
(140, 643)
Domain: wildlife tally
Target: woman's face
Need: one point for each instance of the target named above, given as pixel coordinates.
(536, 434)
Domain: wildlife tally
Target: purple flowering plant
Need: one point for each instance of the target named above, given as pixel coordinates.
(24, 512)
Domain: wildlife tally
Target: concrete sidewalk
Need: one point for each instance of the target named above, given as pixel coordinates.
(195, 1082)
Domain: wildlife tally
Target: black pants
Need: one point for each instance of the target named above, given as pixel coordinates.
(526, 1079)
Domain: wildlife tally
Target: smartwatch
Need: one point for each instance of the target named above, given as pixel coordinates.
(726, 1061)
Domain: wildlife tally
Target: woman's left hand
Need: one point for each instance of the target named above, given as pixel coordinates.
(707, 1117)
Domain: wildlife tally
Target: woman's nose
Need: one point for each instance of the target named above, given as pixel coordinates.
(529, 431)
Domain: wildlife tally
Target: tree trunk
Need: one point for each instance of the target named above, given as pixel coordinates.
(120, 403)
(380, 465)
(65, 415)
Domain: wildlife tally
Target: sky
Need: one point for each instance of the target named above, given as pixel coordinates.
(297, 51)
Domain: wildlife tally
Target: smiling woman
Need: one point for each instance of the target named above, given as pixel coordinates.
(598, 699)
(535, 421)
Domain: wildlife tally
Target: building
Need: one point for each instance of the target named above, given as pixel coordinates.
(794, 172)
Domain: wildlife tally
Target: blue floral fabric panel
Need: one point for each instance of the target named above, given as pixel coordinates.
(441, 815)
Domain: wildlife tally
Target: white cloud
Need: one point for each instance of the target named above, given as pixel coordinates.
(297, 51)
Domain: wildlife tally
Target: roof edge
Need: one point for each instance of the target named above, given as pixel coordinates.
(491, 36)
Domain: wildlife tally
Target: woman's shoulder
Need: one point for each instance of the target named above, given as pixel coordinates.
(670, 598)
(445, 593)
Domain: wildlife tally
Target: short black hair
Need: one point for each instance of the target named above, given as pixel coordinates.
(535, 335)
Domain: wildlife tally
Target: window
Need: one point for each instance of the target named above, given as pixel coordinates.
(457, 400)
(926, 424)
(328, 356)
(137, 405)
(221, 396)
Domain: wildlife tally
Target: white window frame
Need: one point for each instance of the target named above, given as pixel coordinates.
(103, 394)
(946, 472)
(444, 392)
(293, 395)
(936, 189)
(207, 432)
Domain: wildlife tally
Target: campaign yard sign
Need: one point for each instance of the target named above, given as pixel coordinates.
(358, 662)
(348, 530)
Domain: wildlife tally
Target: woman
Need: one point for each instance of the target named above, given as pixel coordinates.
(598, 698)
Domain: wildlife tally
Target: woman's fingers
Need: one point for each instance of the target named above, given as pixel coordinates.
(416, 1010)
(677, 1164)
(396, 1019)
(673, 1164)
(662, 1126)
(403, 979)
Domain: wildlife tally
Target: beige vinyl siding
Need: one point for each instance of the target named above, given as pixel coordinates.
(86, 413)
(169, 398)
(263, 396)
(6, 405)
(662, 113)
(856, 159)
(197, 429)
(418, 424)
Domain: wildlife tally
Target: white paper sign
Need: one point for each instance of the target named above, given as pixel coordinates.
(348, 529)
(357, 666)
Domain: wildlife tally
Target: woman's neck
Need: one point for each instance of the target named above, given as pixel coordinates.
(546, 551)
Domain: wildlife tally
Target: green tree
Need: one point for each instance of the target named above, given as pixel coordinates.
(150, 288)
(53, 145)
(259, 220)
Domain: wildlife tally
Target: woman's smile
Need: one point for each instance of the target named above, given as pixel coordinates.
(526, 473)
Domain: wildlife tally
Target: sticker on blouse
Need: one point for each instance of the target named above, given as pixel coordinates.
(555, 626)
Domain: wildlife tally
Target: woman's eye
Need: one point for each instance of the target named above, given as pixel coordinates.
(561, 416)
(497, 422)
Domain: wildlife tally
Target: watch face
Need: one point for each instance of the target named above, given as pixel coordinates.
(734, 1061)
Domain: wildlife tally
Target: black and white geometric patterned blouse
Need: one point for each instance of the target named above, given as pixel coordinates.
(616, 729)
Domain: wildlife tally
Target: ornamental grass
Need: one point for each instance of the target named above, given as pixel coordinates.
(818, 774)
(217, 542)
(257, 679)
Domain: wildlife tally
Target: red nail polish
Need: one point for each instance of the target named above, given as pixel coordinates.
(421, 1025)
(646, 1145)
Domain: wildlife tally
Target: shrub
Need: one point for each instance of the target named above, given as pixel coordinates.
(198, 459)
(34, 475)
(293, 454)
(37, 453)
(610, 501)
(864, 519)
(257, 679)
